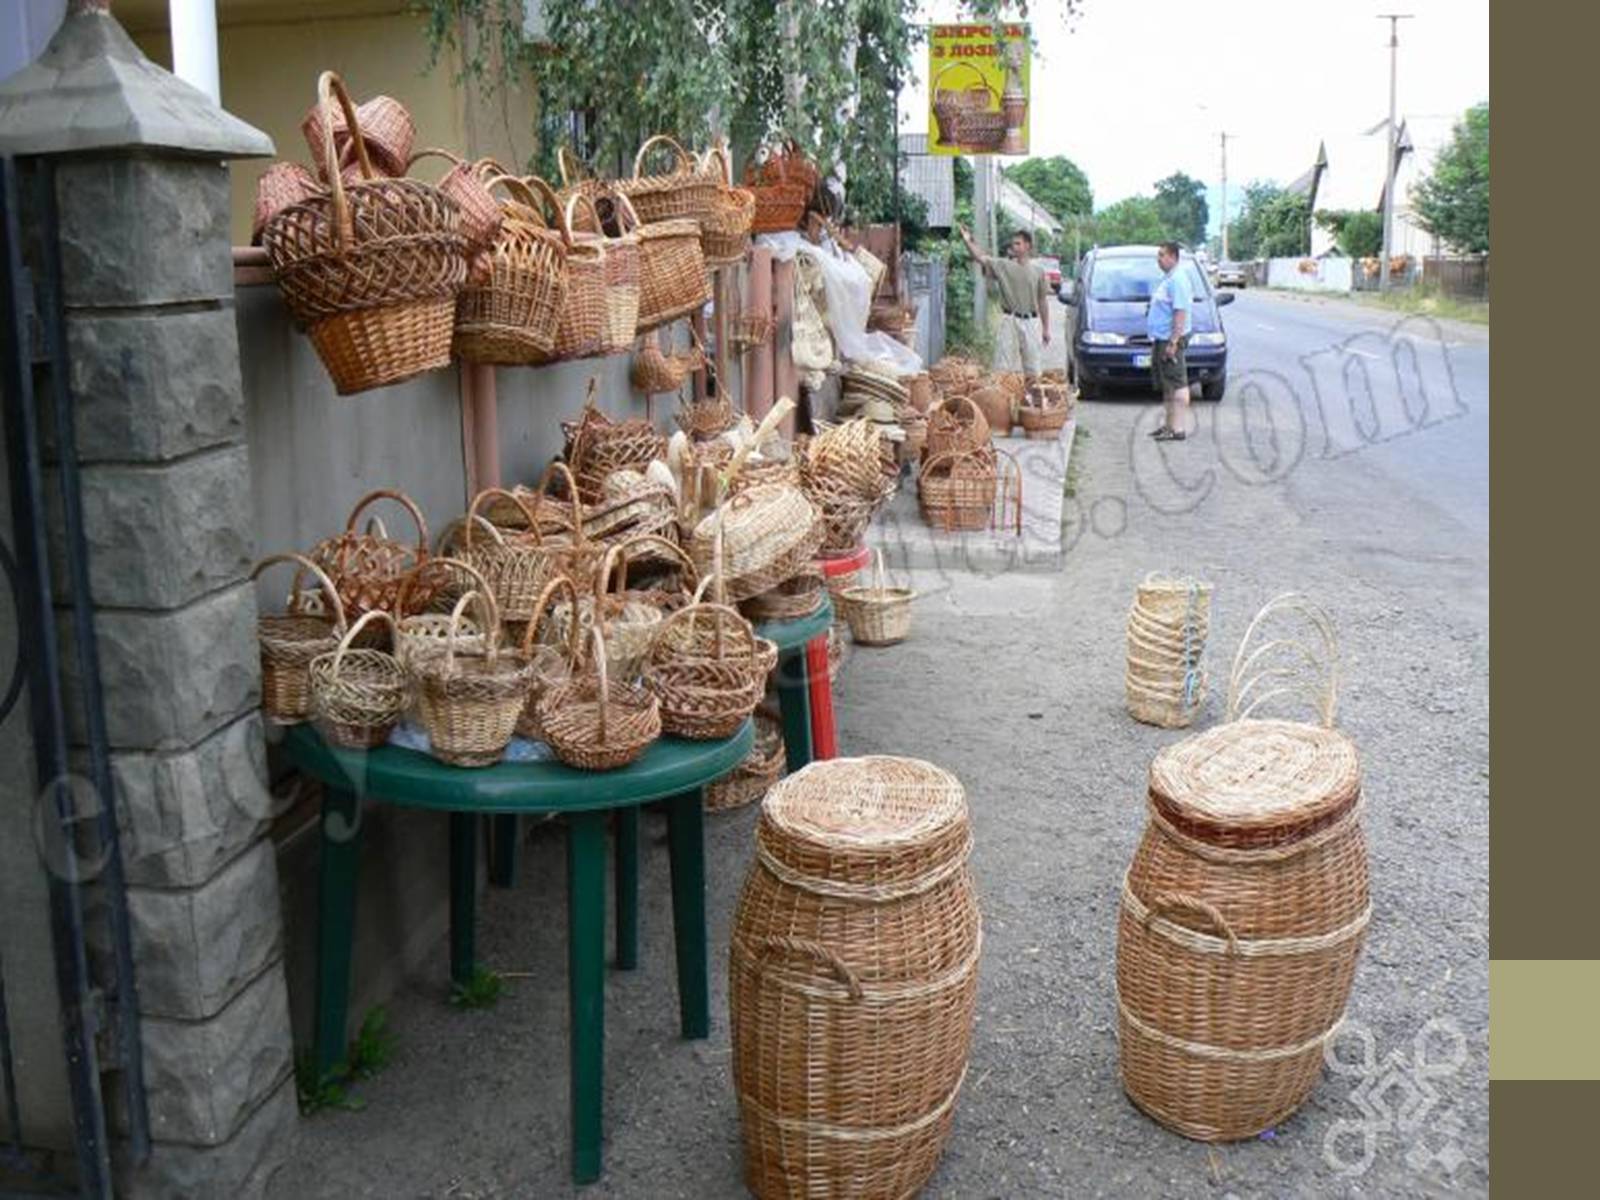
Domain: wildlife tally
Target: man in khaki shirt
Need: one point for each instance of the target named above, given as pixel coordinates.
(1024, 299)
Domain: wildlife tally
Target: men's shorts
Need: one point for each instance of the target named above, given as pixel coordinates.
(1169, 374)
(1025, 333)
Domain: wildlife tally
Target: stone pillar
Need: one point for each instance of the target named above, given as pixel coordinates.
(142, 194)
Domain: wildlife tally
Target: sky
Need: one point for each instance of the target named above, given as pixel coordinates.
(1135, 91)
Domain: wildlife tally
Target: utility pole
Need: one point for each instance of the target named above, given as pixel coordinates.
(983, 218)
(1225, 197)
(1394, 20)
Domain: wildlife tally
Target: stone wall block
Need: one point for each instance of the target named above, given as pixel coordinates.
(239, 1170)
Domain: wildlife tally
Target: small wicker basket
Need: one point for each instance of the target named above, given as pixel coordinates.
(704, 668)
(470, 704)
(359, 695)
(595, 724)
(291, 639)
(369, 568)
(550, 666)
(879, 615)
(761, 768)
(424, 634)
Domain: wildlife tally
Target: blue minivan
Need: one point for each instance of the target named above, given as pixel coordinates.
(1108, 301)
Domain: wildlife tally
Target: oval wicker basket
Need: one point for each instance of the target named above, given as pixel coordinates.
(853, 979)
(509, 313)
(782, 187)
(795, 598)
(290, 640)
(725, 225)
(619, 321)
(467, 184)
(383, 124)
(370, 568)
(769, 533)
(955, 425)
(595, 724)
(468, 704)
(971, 490)
(369, 269)
(359, 695)
(673, 280)
(705, 670)
(879, 615)
(516, 566)
(681, 193)
(423, 633)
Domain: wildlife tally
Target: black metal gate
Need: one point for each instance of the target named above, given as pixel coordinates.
(75, 819)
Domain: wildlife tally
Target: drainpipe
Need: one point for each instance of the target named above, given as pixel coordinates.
(480, 427)
(194, 44)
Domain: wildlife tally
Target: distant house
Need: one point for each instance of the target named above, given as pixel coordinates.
(932, 176)
(1353, 176)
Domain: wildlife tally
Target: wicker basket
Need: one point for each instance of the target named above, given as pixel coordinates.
(598, 446)
(971, 490)
(627, 620)
(792, 600)
(576, 182)
(280, 185)
(1044, 421)
(369, 568)
(576, 552)
(1242, 919)
(468, 185)
(369, 269)
(725, 225)
(470, 704)
(879, 615)
(997, 406)
(761, 768)
(654, 371)
(673, 280)
(421, 633)
(782, 185)
(359, 695)
(963, 116)
(290, 640)
(550, 663)
(769, 532)
(1167, 626)
(681, 193)
(386, 131)
(750, 330)
(516, 566)
(619, 313)
(510, 315)
(704, 668)
(853, 977)
(582, 324)
(955, 426)
(595, 724)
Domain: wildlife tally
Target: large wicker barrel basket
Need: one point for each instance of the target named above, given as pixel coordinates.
(853, 979)
(1242, 918)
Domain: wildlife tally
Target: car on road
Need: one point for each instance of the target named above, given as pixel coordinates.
(1107, 305)
(1231, 274)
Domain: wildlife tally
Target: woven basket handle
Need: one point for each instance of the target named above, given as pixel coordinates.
(488, 616)
(685, 160)
(568, 166)
(1169, 904)
(376, 614)
(473, 518)
(575, 632)
(404, 501)
(557, 467)
(438, 564)
(603, 697)
(773, 947)
(571, 207)
(718, 151)
(454, 159)
(546, 193)
(1005, 499)
(1310, 673)
(627, 215)
(727, 623)
(330, 88)
(948, 67)
(321, 576)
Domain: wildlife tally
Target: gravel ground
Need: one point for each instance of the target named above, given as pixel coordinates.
(1014, 683)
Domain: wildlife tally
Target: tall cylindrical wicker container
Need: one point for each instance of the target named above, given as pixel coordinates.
(1242, 919)
(1167, 626)
(853, 979)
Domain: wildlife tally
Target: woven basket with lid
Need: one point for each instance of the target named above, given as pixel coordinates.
(853, 978)
(1241, 924)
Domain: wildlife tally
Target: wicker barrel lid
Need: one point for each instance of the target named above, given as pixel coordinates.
(1256, 783)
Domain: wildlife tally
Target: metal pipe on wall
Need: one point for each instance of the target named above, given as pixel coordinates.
(194, 44)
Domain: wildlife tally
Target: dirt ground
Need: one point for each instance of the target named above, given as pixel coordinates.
(1014, 682)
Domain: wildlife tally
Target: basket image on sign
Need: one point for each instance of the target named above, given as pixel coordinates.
(979, 79)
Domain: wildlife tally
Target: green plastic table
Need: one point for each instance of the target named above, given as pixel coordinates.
(794, 679)
(671, 770)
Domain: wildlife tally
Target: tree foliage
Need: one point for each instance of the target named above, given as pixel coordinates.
(1181, 203)
(1274, 223)
(1133, 221)
(1057, 183)
(1453, 200)
(1357, 232)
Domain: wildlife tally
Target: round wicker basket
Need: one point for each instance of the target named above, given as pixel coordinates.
(770, 533)
(761, 768)
(470, 704)
(594, 724)
(291, 639)
(879, 615)
(359, 695)
(857, 931)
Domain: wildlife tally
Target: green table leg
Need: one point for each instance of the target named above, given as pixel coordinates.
(586, 949)
(463, 895)
(336, 920)
(503, 866)
(686, 845)
(627, 884)
(794, 706)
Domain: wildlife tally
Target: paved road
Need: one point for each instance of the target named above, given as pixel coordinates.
(1315, 473)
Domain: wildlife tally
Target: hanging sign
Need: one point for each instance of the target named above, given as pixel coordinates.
(978, 89)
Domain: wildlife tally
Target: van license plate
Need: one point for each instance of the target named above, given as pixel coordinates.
(1141, 360)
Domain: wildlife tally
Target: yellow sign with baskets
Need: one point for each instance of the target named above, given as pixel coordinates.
(978, 89)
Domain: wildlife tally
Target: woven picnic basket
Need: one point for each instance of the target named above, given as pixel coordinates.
(596, 723)
(369, 269)
(510, 315)
(1245, 907)
(358, 695)
(386, 133)
(769, 533)
(467, 183)
(963, 114)
(369, 568)
(421, 633)
(1168, 621)
(970, 490)
(549, 662)
(597, 446)
(681, 193)
(280, 185)
(759, 770)
(955, 425)
(853, 975)
(289, 640)
(725, 224)
(469, 704)
(704, 667)
(673, 280)
(879, 615)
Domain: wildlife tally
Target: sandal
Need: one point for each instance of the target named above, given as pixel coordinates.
(1170, 435)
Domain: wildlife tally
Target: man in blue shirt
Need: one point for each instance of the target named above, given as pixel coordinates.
(1167, 323)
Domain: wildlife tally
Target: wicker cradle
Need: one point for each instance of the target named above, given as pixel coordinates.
(853, 979)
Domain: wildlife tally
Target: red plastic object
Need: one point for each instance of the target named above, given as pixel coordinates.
(824, 731)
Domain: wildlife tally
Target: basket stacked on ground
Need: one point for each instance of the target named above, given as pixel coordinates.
(1167, 626)
(969, 490)
(761, 768)
(955, 425)
(369, 269)
(879, 615)
(792, 600)
(853, 979)
(1044, 420)
(1242, 919)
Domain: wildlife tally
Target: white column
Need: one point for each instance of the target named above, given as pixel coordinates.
(194, 44)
